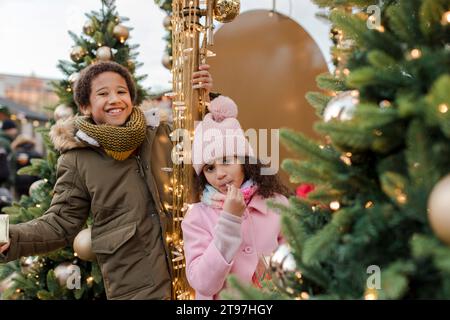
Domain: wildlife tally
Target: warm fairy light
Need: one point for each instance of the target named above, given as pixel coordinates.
(369, 204)
(13, 117)
(38, 205)
(321, 146)
(75, 254)
(346, 71)
(35, 123)
(443, 108)
(304, 295)
(415, 53)
(335, 205)
(298, 275)
(371, 294)
(446, 18)
(402, 198)
(348, 154)
(90, 280)
(18, 290)
(346, 160)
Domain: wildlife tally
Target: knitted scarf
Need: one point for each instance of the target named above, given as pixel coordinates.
(118, 142)
(214, 198)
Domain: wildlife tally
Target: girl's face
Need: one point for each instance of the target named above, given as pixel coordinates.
(110, 100)
(223, 172)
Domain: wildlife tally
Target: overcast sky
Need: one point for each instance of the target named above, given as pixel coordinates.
(33, 33)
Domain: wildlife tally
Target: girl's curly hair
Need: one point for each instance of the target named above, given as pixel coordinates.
(268, 185)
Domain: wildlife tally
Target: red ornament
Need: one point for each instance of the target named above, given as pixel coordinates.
(303, 190)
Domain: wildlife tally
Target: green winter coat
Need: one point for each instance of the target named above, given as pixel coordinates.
(128, 215)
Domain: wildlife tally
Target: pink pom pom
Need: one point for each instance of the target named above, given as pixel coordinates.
(223, 107)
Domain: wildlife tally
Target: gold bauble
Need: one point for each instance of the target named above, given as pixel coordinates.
(77, 53)
(62, 112)
(439, 209)
(89, 28)
(167, 61)
(167, 22)
(226, 10)
(104, 53)
(63, 271)
(82, 245)
(121, 33)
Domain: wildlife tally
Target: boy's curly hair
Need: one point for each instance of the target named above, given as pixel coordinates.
(82, 89)
(268, 185)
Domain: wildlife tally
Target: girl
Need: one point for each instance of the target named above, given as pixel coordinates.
(110, 165)
(232, 227)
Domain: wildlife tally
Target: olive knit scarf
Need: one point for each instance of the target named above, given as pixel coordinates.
(118, 142)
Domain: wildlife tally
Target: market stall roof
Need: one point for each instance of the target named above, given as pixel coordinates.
(18, 108)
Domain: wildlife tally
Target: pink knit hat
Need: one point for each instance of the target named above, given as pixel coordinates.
(219, 135)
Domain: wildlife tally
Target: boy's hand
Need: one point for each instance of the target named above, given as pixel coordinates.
(4, 247)
(202, 78)
(234, 202)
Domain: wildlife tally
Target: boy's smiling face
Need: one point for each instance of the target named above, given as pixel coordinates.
(110, 101)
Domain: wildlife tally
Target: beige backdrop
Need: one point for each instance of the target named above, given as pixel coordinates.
(267, 64)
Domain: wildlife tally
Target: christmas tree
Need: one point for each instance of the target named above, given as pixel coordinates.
(104, 38)
(376, 225)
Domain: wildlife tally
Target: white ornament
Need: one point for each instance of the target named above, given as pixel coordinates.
(342, 107)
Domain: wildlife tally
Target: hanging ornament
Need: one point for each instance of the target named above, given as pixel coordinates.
(74, 77)
(82, 245)
(35, 185)
(62, 112)
(77, 53)
(342, 107)
(439, 209)
(104, 53)
(167, 61)
(121, 33)
(89, 28)
(284, 270)
(63, 271)
(30, 264)
(226, 10)
(167, 22)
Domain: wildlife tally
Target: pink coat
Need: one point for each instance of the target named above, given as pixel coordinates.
(206, 267)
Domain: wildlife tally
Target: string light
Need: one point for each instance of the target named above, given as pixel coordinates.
(414, 54)
(335, 205)
(304, 295)
(443, 108)
(446, 18)
(369, 204)
(371, 294)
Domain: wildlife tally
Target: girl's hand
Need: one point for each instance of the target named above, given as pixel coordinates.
(234, 202)
(202, 79)
(4, 247)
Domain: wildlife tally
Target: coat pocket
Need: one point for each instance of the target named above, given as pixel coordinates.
(109, 242)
